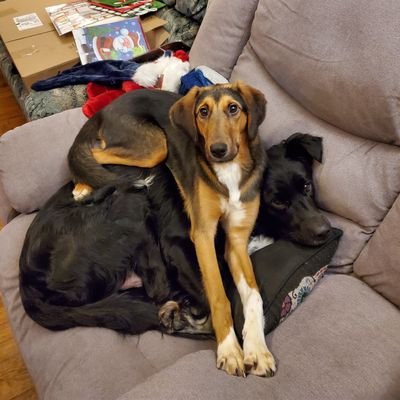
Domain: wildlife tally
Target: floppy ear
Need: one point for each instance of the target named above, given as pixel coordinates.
(182, 113)
(300, 145)
(256, 105)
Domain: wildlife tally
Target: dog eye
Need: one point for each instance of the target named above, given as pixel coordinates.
(233, 108)
(307, 188)
(203, 111)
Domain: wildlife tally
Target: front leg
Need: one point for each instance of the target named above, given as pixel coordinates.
(257, 358)
(229, 352)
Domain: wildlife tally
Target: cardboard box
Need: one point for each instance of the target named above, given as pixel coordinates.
(155, 32)
(42, 56)
(9, 9)
(39, 52)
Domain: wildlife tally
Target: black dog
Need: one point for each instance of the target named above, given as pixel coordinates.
(79, 258)
(288, 208)
(83, 263)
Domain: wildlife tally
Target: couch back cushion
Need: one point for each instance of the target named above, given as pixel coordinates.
(358, 180)
(223, 33)
(339, 59)
(33, 159)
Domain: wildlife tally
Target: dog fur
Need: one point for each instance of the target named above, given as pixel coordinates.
(73, 271)
(209, 141)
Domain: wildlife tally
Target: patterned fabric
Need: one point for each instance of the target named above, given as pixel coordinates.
(42, 104)
(297, 295)
(180, 28)
(189, 8)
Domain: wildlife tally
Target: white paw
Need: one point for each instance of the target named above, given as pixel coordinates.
(258, 360)
(80, 192)
(230, 355)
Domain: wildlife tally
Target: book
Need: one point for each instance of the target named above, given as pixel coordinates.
(121, 40)
(69, 16)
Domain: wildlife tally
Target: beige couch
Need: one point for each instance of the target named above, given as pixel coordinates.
(330, 68)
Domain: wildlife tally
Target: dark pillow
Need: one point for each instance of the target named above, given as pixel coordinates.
(286, 273)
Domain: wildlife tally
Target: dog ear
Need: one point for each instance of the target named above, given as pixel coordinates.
(256, 105)
(182, 113)
(300, 145)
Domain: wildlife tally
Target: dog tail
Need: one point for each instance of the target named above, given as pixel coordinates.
(84, 168)
(119, 311)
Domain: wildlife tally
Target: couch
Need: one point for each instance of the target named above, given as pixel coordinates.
(328, 68)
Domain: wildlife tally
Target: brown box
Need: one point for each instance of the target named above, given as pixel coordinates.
(153, 27)
(39, 53)
(14, 8)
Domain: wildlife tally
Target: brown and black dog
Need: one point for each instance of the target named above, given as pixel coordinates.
(209, 140)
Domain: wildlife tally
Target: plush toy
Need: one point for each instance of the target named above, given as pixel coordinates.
(164, 73)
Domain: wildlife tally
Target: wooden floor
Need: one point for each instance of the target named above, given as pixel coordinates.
(15, 382)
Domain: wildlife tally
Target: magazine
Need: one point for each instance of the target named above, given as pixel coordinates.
(121, 40)
(68, 16)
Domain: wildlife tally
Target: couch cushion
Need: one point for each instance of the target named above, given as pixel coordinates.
(80, 363)
(358, 179)
(222, 35)
(342, 343)
(339, 59)
(33, 158)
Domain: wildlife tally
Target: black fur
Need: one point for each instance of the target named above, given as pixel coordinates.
(288, 206)
(77, 255)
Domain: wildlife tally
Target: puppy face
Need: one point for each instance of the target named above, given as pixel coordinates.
(220, 118)
(221, 122)
(289, 207)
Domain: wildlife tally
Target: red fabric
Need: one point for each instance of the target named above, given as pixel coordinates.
(127, 86)
(182, 55)
(99, 96)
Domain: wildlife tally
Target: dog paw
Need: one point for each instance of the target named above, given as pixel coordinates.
(259, 361)
(230, 356)
(170, 316)
(81, 191)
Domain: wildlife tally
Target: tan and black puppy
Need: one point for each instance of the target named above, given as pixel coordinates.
(209, 141)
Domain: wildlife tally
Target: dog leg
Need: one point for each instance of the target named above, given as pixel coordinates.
(135, 157)
(257, 358)
(229, 352)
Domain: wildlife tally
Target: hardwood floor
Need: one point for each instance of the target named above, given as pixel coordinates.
(11, 115)
(15, 383)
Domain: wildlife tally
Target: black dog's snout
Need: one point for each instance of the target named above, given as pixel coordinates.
(219, 150)
(321, 231)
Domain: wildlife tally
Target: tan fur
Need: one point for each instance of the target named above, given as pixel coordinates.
(124, 156)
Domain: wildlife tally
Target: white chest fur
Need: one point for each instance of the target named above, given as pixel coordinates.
(229, 174)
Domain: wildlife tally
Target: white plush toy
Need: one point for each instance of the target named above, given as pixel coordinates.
(165, 73)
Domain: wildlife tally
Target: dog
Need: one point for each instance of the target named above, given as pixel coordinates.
(74, 273)
(288, 209)
(120, 259)
(209, 141)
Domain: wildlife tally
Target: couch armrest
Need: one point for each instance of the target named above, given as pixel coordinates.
(5, 207)
(33, 159)
(378, 264)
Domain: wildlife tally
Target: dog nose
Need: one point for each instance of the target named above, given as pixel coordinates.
(219, 150)
(321, 232)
